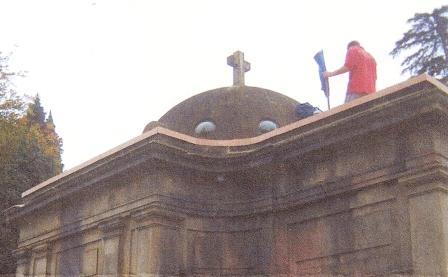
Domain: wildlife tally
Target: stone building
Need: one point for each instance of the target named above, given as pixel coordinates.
(230, 183)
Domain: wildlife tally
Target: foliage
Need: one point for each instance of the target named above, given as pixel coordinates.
(427, 44)
(10, 104)
(30, 152)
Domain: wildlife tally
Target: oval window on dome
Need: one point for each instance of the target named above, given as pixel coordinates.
(267, 125)
(205, 127)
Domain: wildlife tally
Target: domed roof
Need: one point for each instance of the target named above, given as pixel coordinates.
(230, 113)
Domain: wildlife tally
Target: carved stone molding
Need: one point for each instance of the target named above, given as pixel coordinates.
(42, 248)
(22, 255)
(155, 214)
(112, 227)
(423, 181)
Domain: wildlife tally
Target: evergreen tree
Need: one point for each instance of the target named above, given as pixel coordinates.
(427, 44)
(35, 112)
(54, 143)
(42, 130)
(50, 120)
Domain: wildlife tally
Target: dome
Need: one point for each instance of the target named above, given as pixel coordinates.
(229, 113)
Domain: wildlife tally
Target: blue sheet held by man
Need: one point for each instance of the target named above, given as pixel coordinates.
(320, 60)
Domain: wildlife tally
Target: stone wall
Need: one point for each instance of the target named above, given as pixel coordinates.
(368, 197)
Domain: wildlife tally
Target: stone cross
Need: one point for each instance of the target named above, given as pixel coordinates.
(240, 66)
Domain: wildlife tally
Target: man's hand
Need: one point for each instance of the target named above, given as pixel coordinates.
(327, 74)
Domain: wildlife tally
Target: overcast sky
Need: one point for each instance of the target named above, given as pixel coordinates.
(107, 68)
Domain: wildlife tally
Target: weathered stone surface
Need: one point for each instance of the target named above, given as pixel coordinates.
(360, 190)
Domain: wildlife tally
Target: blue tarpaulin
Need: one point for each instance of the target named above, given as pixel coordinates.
(320, 60)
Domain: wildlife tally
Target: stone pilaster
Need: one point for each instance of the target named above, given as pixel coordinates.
(23, 257)
(401, 236)
(40, 258)
(157, 243)
(111, 231)
(428, 220)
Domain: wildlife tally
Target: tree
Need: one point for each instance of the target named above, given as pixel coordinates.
(41, 132)
(427, 44)
(30, 152)
(35, 112)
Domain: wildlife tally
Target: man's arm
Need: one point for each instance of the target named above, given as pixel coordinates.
(339, 71)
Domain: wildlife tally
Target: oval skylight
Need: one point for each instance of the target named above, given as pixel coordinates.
(205, 127)
(267, 125)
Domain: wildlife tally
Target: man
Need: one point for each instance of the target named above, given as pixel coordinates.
(362, 69)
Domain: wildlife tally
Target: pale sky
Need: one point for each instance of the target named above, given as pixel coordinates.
(106, 68)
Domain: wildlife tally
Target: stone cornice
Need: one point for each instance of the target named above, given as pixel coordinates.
(112, 225)
(417, 96)
(22, 254)
(426, 178)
